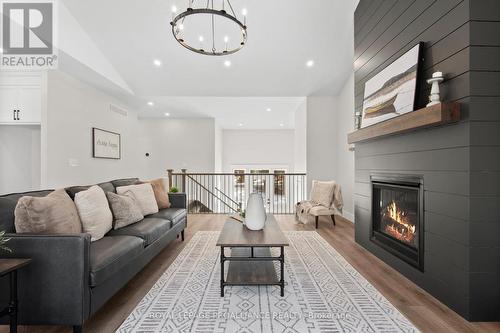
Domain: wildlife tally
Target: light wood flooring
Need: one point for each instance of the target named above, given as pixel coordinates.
(427, 313)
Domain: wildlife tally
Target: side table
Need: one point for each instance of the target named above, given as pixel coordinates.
(9, 267)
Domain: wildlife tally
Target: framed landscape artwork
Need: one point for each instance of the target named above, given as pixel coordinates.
(105, 144)
(392, 91)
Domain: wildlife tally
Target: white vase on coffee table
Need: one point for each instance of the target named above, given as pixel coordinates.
(255, 214)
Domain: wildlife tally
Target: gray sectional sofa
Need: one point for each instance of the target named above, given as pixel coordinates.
(70, 278)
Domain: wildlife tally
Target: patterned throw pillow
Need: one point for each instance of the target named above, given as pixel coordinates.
(125, 210)
(53, 214)
(94, 212)
(144, 195)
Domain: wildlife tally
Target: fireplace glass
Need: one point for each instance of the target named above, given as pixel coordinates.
(396, 218)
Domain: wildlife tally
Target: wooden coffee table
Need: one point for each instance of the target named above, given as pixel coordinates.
(250, 261)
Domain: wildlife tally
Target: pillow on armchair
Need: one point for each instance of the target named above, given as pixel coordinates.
(322, 192)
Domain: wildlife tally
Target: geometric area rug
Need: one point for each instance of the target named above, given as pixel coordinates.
(323, 293)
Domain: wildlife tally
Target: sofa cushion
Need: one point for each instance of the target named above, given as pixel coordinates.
(149, 229)
(144, 195)
(109, 254)
(175, 215)
(125, 182)
(106, 187)
(54, 214)
(125, 210)
(8, 205)
(160, 192)
(94, 211)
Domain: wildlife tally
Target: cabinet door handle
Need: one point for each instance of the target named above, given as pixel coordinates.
(18, 115)
(14, 114)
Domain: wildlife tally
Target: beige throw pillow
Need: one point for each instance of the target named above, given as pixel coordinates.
(94, 212)
(53, 214)
(144, 195)
(160, 192)
(125, 210)
(322, 192)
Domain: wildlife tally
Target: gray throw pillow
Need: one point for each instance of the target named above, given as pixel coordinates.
(125, 210)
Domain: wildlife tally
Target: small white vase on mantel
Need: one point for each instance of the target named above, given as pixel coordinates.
(255, 214)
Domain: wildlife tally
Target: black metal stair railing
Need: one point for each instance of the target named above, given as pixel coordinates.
(227, 193)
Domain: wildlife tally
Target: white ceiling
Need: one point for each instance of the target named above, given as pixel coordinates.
(282, 36)
(231, 112)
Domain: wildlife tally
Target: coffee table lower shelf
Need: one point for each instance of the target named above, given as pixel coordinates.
(252, 266)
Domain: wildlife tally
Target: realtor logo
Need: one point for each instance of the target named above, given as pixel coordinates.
(28, 35)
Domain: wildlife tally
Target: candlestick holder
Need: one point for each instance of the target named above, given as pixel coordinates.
(436, 79)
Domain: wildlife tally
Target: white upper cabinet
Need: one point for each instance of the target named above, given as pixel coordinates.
(20, 100)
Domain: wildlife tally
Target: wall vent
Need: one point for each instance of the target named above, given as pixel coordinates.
(117, 109)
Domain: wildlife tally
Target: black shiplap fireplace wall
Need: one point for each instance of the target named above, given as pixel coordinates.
(459, 163)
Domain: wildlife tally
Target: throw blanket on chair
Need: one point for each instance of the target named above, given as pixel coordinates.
(302, 211)
(326, 199)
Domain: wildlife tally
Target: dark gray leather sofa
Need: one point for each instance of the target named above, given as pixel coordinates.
(70, 278)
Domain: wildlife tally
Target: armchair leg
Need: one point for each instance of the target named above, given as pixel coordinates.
(77, 329)
(317, 217)
(333, 220)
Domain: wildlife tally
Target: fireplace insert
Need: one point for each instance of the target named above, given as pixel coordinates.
(397, 216)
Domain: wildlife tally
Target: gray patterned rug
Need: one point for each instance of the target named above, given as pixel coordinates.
(324, 293)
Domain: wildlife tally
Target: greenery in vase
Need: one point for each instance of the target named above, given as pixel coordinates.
(174, 189)
(3, 241)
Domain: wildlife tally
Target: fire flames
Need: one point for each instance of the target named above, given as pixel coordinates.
(400, 227)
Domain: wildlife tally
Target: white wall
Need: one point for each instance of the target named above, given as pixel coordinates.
(258, 148)
(19, 158)
(321, 139)
(344, 158)
(72, 109)
(176, 144)
(300, 139)
(218, 148)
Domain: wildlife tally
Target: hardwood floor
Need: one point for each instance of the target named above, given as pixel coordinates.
(427, 313)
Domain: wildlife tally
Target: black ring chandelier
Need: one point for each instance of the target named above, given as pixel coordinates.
(208, 9)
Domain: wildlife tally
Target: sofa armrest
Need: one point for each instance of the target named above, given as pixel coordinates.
(178, 200)
(54, 287)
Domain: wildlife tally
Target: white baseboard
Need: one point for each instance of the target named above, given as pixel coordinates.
(349, 216)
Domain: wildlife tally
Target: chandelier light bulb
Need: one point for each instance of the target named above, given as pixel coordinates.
(244, 12)
(201, 39)
(226, 39)
(174, 9)
(181, 26)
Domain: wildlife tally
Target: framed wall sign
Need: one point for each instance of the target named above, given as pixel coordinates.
(105, 144)
(392, 91)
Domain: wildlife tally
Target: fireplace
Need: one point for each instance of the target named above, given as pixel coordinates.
(397, 216)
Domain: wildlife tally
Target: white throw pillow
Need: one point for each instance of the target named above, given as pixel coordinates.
(322, 192)
(143, 194)
(93, 208)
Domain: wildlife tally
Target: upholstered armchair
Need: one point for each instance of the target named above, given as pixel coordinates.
(325, 200)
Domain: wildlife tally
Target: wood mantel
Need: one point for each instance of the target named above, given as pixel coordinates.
(434, 115)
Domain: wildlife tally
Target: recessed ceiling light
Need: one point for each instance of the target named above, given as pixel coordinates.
(151, 103)
(310, 63)
(167, 114)
(240, 125)
(281, 125)
(227, 63)
(268, 109)
(157, 62)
